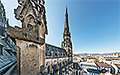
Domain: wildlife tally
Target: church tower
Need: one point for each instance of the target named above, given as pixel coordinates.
(66, 43)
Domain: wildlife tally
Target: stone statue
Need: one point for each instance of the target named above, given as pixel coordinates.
(32, 15)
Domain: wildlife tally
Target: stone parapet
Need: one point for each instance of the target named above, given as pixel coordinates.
(24, 34)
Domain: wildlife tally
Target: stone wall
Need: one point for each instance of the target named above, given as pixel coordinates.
(29, 57)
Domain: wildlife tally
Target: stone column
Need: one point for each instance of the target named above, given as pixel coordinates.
(28, 54)
(30, 39)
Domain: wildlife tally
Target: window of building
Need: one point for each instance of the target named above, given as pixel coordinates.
(48, 69)
(1, 50)
(68, 45)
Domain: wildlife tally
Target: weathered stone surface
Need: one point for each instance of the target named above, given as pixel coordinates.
(24, 34)
(32, 15)
(30, 39)
(29, 58)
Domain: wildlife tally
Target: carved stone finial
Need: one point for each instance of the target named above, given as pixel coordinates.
(32, 15)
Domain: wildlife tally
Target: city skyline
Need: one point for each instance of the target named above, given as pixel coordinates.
(94, 25)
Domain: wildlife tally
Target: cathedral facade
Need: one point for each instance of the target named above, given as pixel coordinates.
(59, 59)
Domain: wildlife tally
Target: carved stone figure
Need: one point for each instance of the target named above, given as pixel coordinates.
(32, 15)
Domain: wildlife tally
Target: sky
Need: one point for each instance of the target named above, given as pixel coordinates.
(94, 24)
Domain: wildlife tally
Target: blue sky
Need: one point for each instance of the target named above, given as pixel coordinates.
(94, 24)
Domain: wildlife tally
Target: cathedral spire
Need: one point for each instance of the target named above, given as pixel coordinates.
(66, 43)
(66, 11)
(66, 20)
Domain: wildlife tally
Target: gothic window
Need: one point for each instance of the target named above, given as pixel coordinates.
(68, 50)
(64, 44)
(55, 54)
(68, 45)
(51, 53)
(48, 69)
(67, 39)
(61, 54)
(1, 50)
(68, 60)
